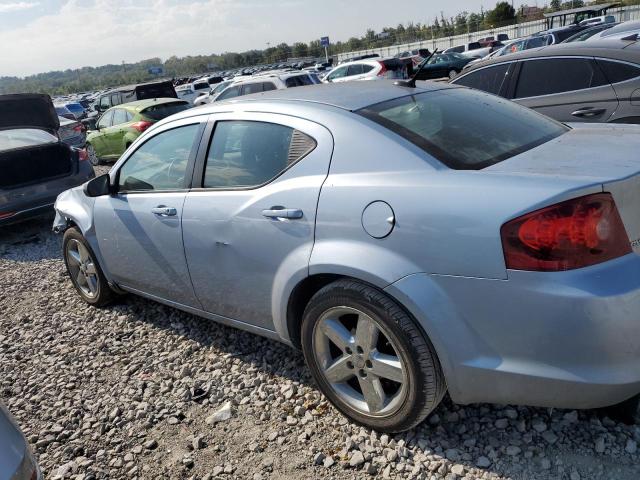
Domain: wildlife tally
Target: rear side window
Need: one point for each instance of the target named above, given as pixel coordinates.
(617, 71)
(354, 70)
(536, 42)
(249, 154)
(488, 79)
(252, 88)
(556, 75)
(268, 86)
(465, 129)
(163, 110)
(115, 99)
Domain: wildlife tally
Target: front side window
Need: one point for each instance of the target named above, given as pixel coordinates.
(105, 120)
(228, 93)
(338, 73)
(556, 75)
(249, 154)
(465, 129)
(160, 163)
(119, 116)
(488, 79)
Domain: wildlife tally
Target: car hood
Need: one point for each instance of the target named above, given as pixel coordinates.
(28, 110)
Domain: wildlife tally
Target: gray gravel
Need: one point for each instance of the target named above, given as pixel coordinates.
(139, 390)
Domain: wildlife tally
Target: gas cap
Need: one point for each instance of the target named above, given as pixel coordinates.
(378, 219)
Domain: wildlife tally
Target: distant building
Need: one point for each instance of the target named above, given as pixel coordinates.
(382, 35)
(531, 13)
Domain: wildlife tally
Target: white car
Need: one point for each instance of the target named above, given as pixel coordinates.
(266, 81)
(620, 31)
(213, 93)
(190, 91)
(590, 22)
(368, 69)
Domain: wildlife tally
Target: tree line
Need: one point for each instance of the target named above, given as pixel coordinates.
(96, 78)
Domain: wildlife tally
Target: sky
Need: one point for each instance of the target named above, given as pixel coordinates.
(44, 35)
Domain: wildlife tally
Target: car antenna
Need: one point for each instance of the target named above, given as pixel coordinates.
(411, 83)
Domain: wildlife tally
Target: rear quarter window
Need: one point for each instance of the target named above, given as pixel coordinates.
(617, 71)
(465, 129)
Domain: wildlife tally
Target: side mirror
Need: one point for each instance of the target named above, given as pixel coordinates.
(98, 186)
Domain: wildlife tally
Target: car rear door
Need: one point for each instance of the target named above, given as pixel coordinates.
(569, 89)
(139, 228)
(249, 220)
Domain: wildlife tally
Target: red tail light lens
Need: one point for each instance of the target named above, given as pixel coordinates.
(79, 128)
(572, 234)
(83, 155)
(4, 215)
(141, 126)
(383, 70)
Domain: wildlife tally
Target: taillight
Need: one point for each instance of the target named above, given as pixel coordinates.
(4, 215)
(141, 126)
(383, 70)
(83, 155)
(572, 234)
(79, 128)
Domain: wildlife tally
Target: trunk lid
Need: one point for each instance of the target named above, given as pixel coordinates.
(28, 110)
(606, 154)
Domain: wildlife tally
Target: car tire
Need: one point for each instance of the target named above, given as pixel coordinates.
(452, 74)
(93, 156)
(84, 270)
(397, 367)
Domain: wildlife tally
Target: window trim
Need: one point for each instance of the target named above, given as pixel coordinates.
(188, 177)
(199, 173)
(555, 57)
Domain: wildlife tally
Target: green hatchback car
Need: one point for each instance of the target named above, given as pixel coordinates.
(119, 126)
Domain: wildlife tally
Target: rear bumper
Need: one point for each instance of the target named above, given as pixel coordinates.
(34, 200)
(567, 340)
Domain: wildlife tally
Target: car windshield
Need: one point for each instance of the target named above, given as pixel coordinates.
(163, 110)
(24, 137)
(465, 129)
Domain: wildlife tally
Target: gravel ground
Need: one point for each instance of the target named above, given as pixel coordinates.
(140, 390)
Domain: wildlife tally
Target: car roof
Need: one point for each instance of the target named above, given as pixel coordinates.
(142, 104)
(345, 95)
(614, 49)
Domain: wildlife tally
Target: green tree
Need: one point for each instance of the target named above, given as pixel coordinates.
(555, 5)
(502, 14)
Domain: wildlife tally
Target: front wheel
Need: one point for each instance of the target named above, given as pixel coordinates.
(82, 266)
(93, 156)
(369, 357)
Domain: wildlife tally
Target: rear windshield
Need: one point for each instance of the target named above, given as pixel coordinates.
(200, 86)
(24, 137)
(465, 129)
(298, 81)
(158, 112)
(75, 107)
(155, 91)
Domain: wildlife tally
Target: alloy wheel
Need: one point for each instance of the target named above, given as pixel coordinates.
(93, 157)
(82, 268)
(359, 360)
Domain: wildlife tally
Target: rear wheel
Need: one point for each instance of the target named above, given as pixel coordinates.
(93, 156)
(369, 357)
(86, 275)
(452, 74)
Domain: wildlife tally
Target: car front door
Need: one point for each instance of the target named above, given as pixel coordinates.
(567, 89)
(248, 223)
(139, 227)
(99, 140)
(113, 135)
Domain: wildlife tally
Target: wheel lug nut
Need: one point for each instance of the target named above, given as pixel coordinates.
(350, 365)
(359, 350)
(368, 364)
(362, 373)
(348, 350)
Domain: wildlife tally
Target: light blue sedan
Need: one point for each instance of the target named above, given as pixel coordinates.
(411, 241)
(16, 460)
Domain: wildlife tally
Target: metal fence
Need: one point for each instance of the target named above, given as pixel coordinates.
(514, 31)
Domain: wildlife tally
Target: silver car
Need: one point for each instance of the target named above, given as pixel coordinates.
(16, 460)
(411, 241)
(571, 82)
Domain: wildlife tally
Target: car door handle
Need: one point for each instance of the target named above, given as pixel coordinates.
(163, 211)
(589, 112)
(281, 212)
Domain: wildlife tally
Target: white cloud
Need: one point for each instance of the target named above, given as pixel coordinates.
(17, 6)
